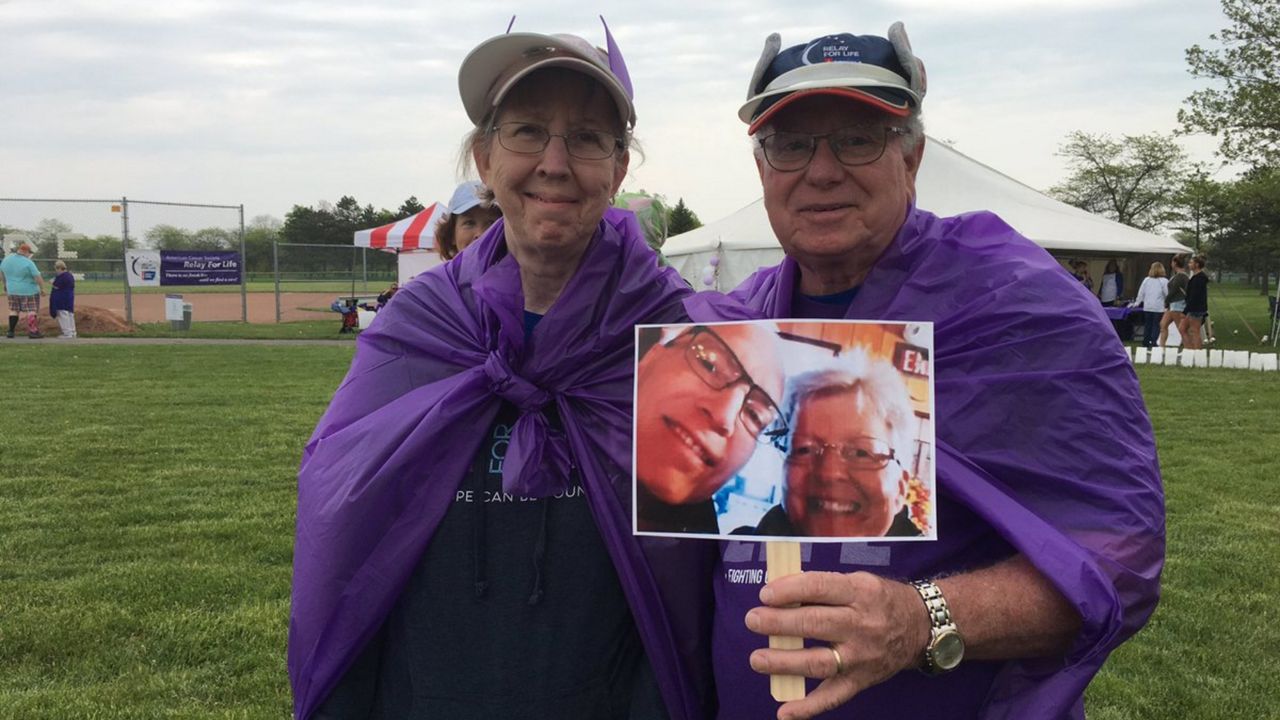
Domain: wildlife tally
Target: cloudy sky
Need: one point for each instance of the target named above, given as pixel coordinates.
(272, 103)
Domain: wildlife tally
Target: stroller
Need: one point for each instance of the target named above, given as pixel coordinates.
(350, 315)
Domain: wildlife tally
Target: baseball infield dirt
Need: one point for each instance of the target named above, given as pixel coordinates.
(207, 307)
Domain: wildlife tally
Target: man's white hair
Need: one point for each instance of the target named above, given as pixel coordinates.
(873, 380)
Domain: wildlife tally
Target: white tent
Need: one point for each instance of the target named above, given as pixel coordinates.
(413, 238)
(949, 183)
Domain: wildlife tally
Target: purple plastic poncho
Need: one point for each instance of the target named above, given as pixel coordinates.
(1044, 449)
(385, 460)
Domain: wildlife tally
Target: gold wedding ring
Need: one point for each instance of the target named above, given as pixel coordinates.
(836, 654)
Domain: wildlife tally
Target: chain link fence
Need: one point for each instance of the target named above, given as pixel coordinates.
(310, 277)
(92, 236)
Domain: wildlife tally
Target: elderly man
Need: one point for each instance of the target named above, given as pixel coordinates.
(24, 285)
(848, 446)
(1049, 506)
(703, 400)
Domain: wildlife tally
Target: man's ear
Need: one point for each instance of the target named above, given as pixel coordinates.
(911, 161)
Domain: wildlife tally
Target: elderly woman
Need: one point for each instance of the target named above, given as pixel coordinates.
(62, 301)
(848, 447)
(463, 540)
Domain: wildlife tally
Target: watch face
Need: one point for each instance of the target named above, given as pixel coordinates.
(948, 649)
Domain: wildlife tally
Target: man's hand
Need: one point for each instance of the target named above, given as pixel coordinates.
(879, 627)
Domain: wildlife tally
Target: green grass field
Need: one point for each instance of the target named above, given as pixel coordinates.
(302, 330)
(148, 507)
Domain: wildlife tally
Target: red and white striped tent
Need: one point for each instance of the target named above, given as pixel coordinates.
(416, 232)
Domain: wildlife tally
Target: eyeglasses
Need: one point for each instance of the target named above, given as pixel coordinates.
(711, 359)
(583, 143)
(853, 146)
(864, 453)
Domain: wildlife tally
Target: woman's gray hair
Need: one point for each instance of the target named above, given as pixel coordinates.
(59, 265)
(873, 380)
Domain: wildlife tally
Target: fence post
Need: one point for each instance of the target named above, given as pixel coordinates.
(124, 236)
(275, 272)
(244, 273)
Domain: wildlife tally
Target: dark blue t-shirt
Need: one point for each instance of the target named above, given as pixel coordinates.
(514, 611)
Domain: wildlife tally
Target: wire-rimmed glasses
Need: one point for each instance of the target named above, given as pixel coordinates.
(530, 139)
(852, 146)
(863, 453)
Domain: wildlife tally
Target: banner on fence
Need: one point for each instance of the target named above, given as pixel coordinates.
(143, 268)
(150, 268)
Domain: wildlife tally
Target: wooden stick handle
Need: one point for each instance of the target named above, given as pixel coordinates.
(782, 559)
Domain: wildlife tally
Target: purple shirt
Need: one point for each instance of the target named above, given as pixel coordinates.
(1044, 449)
(63, 296)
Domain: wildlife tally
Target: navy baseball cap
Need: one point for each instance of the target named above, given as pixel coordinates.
(881, 72)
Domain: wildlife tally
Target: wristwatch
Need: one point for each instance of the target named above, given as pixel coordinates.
(946, 646)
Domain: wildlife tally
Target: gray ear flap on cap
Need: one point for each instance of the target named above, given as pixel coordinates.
(772, 45)
(912, 64)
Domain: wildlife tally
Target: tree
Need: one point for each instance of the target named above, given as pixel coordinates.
(1245, 110)
(1133, 180)
(1249, 237)
(215, 239)
(1195, 203)
(682, 219)
(44, 238)
(259, 235)
(168, 237)
(331, 224)
(409, 207)
(651, 212)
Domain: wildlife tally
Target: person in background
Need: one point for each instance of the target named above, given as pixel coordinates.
(704, 399)
(1197, 309)
(1080, 269)
(385, 296)
(62, 300)
(471, 212)
(1112, 287)
(24, 285)
(1050, 530)
(1175, 303)
(1151, 298)
(464, 546)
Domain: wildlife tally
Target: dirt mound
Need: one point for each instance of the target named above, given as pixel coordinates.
(90, 321)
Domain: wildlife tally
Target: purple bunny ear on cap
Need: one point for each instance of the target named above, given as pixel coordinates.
(616, 64)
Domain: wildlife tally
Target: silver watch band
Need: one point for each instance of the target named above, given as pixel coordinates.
(946, 647)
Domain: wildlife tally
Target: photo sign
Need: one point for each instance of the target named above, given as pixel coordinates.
(813, 431)
(151, 268)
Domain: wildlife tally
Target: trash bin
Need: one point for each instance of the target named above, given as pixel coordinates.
(185, 323)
